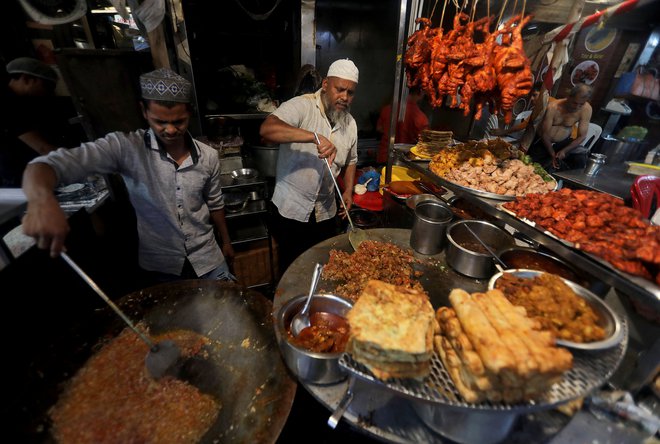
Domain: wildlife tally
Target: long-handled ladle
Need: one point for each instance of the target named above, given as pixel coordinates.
(162, 357)
(492, 253)
(356, 235)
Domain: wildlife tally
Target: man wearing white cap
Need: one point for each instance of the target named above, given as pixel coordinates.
(311, 128)
(24, 120)
(172, 182)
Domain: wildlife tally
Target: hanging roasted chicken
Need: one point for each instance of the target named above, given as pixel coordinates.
(470, 63)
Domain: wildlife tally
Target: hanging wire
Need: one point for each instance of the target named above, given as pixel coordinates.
(523, 9)
(488, 8)
(515, 5)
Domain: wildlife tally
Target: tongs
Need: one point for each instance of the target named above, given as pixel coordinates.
(356, 235)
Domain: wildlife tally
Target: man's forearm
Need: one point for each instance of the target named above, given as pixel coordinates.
(548, 145)
(277, 131)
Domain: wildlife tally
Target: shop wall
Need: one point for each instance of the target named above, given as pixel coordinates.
(365, 32)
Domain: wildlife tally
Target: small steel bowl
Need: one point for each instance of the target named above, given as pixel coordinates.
(607, 318)
(244, 174)
(312, 367)
(235, 201)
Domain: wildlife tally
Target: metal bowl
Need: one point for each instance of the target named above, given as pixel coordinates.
(235, 201)
(412, 201)
(530, 259)
(466, 427)
(312, 367)
(607, 318)
(462, 254)
(244, 174)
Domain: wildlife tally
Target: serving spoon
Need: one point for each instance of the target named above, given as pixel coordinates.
(501, 264)
(162, 357)
(301, 320)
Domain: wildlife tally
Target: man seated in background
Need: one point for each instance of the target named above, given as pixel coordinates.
(554, 147)
(407, 131)
(22, 135)
(516, 129)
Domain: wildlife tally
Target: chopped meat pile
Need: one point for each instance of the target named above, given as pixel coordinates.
(373, 260)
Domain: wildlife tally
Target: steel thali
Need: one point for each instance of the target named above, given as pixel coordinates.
(391, 413)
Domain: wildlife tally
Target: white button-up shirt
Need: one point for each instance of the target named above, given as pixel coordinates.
(303, 182)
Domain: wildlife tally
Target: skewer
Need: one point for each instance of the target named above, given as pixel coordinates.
(499, 19)
(523, 9)
(433, 10)
(442, 17)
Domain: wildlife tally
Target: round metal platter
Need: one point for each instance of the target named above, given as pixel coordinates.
(486, 194)
(386, 410)
(608, 318)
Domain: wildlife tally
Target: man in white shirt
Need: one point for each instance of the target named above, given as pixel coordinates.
(311, 129)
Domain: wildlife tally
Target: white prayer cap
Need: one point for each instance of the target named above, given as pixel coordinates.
(344, 69)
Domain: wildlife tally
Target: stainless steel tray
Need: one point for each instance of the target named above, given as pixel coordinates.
(609, 320)
(590, 371)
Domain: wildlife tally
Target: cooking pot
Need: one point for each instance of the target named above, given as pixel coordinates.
(464, 252)
(265, 159)
(531, 259)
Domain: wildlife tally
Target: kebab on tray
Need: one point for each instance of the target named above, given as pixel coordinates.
(599, 224)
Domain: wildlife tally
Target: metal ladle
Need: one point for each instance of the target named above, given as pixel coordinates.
(301, 320)
(492, 253)
(355, 236)
(162, 357)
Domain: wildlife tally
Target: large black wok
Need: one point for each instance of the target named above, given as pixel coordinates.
(244, 369)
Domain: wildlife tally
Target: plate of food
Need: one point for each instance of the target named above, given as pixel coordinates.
(578, 318)
(585, 72)
(599, 38)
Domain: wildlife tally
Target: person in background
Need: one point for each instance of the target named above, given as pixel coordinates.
(172, 181)
(309, 80)
(553, 149)
(501, 131)
(312, 129)
(22, 133)
(407, 131)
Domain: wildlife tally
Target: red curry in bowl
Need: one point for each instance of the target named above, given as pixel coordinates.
(328, 333)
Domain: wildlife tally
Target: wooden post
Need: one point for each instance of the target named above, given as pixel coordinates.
(159, 47)
(530, 131)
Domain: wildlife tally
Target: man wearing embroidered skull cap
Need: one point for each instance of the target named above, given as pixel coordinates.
(310, 129)
(172, 182)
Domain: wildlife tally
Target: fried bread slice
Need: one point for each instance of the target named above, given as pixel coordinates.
(392, 330)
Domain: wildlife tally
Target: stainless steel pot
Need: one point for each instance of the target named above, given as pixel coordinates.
(265, 159)
(463, 254)
(317, 368)
(619, 150)
(466, 426)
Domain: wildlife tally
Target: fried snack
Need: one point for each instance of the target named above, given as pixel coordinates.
(493, 351)
(392, 331)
